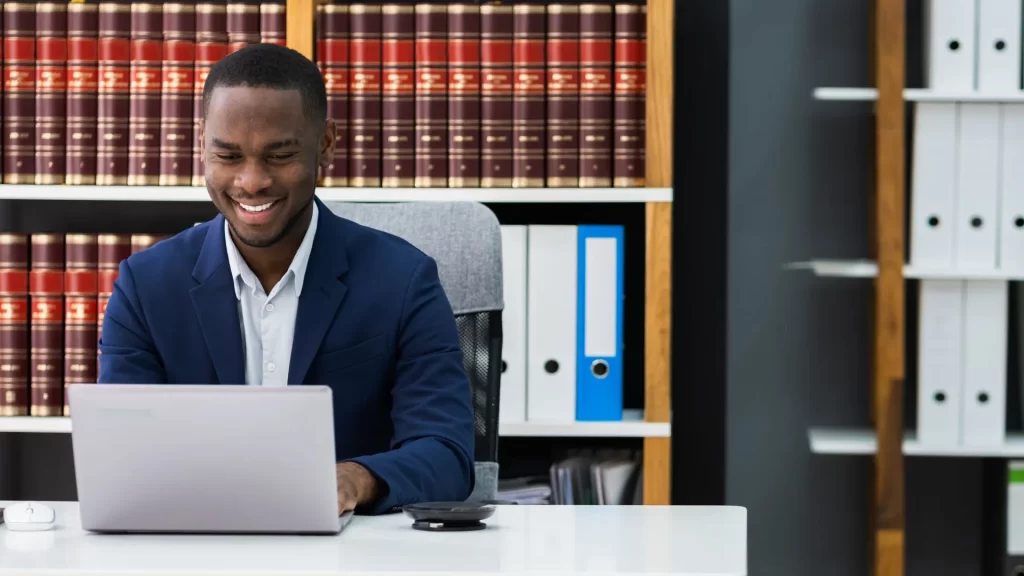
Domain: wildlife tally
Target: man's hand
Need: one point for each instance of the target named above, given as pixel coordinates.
(356, 486)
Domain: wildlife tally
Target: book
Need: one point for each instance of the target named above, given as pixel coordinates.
(398, 96)
(145, 105)
(19, 93)
(14, 325)
(464, 96)
(83, 81)
(630, 95)
(51, 93)
(496, 67)
(46, 298)
(597, 25)
(431, 81)
(211, 46)
(177, 86)
(113, 100)
(365, 95)
(332, 31)
(81, 287)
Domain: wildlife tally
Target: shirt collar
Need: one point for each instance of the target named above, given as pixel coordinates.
(297, 269)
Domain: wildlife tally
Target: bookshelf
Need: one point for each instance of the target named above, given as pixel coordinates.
(652, 424)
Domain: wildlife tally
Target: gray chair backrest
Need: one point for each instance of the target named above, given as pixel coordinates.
(464, 238)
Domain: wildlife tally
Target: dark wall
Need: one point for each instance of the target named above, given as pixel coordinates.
(799, 346)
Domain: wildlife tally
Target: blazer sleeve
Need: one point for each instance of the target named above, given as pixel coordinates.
(127, 352)
(432, 449)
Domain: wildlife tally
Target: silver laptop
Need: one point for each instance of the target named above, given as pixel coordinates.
(205, 459)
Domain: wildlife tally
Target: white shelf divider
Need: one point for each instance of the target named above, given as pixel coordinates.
(840, 94)
(869, 269)
(199, 194)
(861, 442)
(631, 426)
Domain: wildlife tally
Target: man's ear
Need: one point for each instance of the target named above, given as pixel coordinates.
(327, 144)
(202, 139)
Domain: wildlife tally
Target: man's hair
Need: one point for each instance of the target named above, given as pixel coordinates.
(270, 66)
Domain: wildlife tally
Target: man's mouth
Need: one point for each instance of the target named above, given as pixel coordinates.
(256, 207)
(254, 213)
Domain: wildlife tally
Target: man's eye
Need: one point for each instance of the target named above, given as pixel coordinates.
(227, 157)
(282, 156)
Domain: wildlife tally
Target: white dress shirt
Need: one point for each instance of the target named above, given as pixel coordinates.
(268, 321)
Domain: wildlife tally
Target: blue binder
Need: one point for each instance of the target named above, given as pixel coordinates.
(599, 323)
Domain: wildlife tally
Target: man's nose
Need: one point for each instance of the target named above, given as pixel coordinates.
(253, 177)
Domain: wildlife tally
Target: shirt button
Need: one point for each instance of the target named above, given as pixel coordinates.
(270, 307)
(271, 366)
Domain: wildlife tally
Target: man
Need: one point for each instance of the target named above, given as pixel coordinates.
(277, 291)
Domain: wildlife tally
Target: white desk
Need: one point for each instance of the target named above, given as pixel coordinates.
(537, 540)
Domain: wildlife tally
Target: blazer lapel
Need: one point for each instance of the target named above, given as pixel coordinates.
(217, 307)
(322, 293)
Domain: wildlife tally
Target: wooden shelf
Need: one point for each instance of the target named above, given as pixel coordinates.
(861, 442)
(199, 194)
(838, 94)
(869, 269)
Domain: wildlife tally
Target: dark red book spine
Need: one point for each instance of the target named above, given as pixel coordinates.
(273, 22)
(144, 119)
(333, 59)
(365, 96)
(496, 68)
(51, 92)
(140, 242)
(83, 85)
(528, 113)
(630, 135)
(114, 93)
(463, 96)
(112, 249)
(19, 98)
(176, 94)
(563, 97)
(80, 291)
(14, 325)
(398, 125)
(243, 24)
(211, 46)
(431, 95)
(596, 111)
(46, 295)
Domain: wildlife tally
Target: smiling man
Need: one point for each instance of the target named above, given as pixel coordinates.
(279, 291)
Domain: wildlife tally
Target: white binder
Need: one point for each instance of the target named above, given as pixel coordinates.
(933, 186)
(950, 44)
(512, 405)
(985, 340)
(977, 187)
(939, 353)
(1011, 190)
(551, 323)
(999, 43)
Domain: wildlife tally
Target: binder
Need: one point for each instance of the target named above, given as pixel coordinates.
(986, 306)
(933, 186)
(551, 323)
(950, 44)
(599, 323)
(512, 403)
(1011, 190)
(977, 187)
(939, 354)
(999, 45)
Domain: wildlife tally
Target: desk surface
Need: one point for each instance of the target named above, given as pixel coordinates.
(684, 540)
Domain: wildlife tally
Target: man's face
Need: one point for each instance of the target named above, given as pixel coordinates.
(261, 154)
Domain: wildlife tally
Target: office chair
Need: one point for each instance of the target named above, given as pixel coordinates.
(464, 238)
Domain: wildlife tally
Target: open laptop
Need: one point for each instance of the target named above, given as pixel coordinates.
(205, 459)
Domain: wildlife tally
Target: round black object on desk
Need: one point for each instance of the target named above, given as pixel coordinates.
(449, 516)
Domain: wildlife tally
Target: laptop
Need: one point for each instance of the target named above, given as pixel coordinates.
(205, 459)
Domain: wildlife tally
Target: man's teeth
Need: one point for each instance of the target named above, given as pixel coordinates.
(259, 208)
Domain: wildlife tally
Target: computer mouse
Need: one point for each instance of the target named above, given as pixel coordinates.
(29, 517)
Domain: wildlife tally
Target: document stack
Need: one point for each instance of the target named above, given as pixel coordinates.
(967, 217)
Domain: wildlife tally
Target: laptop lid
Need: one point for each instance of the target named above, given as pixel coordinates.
(176, 458)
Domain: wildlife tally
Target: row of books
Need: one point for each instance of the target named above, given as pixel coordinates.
(585, 477)
(53, 292)
(457, 94)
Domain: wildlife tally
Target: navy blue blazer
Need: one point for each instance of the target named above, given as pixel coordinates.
(373, 323)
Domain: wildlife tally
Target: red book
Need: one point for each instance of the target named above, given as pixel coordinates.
(273, 22)
(364, 96)
(563, 80)
(332, 57)
(496, 60)
(114, 93)
(112, 249)
(463, 96)
(243, 24)
(140, 242)
(51, 92)
(211, 46)
(630, 135)
(528, 114)
(19, 93)
(80, 296)
(14, 317)
(83, 85)
(596, 28)
(176, 93)
(46, 295)
(398, 125)
(144, 119)
(431, 95)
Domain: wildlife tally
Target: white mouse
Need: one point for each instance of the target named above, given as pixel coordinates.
(29, 516)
